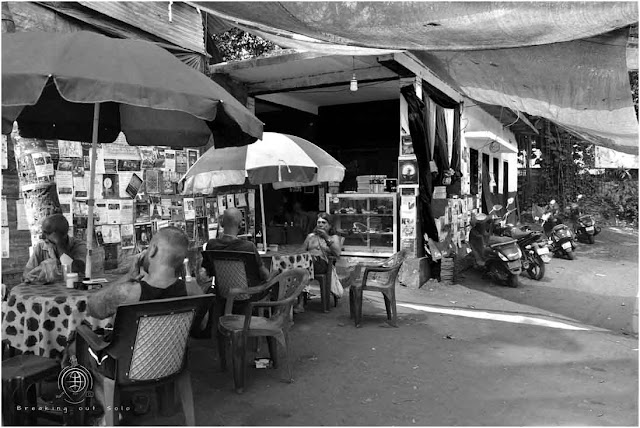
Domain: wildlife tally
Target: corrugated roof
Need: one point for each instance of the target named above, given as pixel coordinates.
(185, 28)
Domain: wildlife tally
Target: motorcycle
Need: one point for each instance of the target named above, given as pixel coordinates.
(584, 226)
(535, 252)
(561, 239)
(499, 256)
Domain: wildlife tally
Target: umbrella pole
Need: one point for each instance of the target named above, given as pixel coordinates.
(91, 200)
(264, 223)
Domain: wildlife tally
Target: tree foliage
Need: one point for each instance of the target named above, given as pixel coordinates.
(236, 44)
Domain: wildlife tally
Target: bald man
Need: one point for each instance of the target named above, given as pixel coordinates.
(231, 220)
(158, 280)
(55, 242)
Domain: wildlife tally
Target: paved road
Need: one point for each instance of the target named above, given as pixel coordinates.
(465, 354)
(598, 288)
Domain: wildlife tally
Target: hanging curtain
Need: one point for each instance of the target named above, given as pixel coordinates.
(418, 130)
(456, 182)
(441, 149)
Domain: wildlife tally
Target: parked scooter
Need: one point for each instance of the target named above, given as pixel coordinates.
(497, 255)
(584, 226)
(561, 239)
(532, 245)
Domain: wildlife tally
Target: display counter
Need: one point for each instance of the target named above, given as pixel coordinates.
(367, 221)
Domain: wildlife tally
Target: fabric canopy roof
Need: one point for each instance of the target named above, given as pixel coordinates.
(565, 61)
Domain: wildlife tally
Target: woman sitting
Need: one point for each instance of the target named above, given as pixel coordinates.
(322, 243)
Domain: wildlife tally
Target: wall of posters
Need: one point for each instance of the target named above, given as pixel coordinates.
(135, 191)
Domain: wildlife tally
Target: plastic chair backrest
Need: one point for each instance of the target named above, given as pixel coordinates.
(397, 258)
(155, 348)
(233, 269)
(291, 282)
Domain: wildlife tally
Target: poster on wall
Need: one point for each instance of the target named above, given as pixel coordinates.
(5, 242)
(152, 181)
(181, 161)
(110, 257)
(127, 235)
(100, 213)
(134, 185)
(168, 186)
(142, 214)
(192, 157)
(110, 187)
(169, 160)
(407, 172)
(21, 214)
(406, 145)
(189, 209)
(4, 159)
(144, 233)
(69, 149)
(111, 233)
(4, 215)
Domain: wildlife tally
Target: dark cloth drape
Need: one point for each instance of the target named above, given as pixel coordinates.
(419, 139)
(456, 183)
(455, 150)
(437, 96)
(441, 148)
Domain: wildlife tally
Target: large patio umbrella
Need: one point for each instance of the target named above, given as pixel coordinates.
(279, 159)
(83, 86)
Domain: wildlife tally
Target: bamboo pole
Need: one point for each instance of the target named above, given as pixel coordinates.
(91, 201)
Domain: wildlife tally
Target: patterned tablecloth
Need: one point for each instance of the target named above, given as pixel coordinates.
(38, 318)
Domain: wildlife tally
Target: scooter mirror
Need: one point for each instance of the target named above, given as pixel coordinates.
(580, 197)
(552, 202)
(510, 201)
(496, 208)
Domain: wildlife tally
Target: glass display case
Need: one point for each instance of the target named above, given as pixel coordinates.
(366, 221)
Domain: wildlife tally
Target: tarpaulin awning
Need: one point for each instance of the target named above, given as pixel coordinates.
(565, 61)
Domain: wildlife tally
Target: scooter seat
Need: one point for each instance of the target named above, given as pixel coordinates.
(496, 241)
(517, 233)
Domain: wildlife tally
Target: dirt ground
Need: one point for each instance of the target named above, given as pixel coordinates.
(443, 369)
(598, 288)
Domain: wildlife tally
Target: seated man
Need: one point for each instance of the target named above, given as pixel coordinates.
(158, 279)
(231, 220)
(46, 254)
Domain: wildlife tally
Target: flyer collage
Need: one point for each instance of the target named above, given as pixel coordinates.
(135, 190)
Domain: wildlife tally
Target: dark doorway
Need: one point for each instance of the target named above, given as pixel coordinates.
(473, 169)
(505, 181)
(487, 200)
(496, 175)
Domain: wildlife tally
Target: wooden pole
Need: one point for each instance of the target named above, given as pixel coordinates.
(91, 201)
(264, 222)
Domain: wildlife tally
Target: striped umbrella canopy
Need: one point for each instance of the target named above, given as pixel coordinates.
(280, 159)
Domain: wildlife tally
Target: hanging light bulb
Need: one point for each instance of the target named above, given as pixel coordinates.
(353, 86)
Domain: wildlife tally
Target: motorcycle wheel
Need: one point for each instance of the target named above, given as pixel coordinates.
(570, 255)
(536, 268)
(513, 281)
(591, 239)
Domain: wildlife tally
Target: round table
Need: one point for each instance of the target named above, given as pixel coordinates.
(38, 318)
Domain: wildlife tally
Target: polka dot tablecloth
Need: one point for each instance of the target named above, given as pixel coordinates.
(37, 319)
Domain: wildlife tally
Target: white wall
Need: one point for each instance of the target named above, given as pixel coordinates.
(476, 122)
